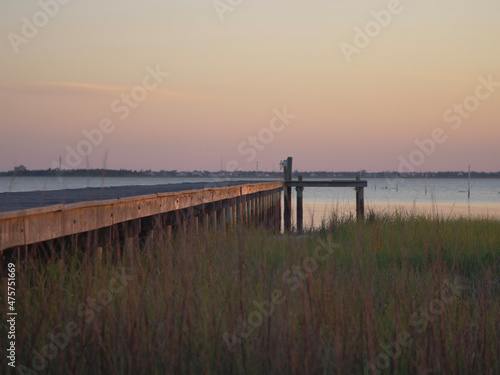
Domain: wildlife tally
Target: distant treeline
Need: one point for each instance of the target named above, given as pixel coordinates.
(75, 173)
(222, 174)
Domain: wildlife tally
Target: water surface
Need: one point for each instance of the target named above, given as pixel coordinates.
(443, 196)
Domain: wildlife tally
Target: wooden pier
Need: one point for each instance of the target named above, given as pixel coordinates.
(133, 216)
(358, 185)
(122, 221)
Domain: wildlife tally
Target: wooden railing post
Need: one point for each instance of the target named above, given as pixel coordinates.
(287, 170)
(278, 212)
(300, 208)
(360, 203)
(229, 214)
(239, 211)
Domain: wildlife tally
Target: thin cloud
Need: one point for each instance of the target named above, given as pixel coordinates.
(57, 88)
(86, 89)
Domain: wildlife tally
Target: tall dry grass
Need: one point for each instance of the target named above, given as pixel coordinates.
(425, 289)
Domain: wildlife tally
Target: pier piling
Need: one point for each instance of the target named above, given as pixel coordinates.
(287, 171)
(300, 207)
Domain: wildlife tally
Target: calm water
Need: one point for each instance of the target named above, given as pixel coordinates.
(449, 195)
(442, 196)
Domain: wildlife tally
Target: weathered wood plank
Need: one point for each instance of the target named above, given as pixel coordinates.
(12, 232)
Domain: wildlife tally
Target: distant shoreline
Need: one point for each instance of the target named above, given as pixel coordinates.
(239, 174)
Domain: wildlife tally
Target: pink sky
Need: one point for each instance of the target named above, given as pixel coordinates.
(230, 74)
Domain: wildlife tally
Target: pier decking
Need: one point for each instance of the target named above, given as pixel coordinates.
(36, 199)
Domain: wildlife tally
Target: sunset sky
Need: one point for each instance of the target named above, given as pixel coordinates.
(232, 70)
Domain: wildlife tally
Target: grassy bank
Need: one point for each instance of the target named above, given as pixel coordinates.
(399, 294)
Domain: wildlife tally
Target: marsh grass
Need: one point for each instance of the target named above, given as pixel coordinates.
(184, 297)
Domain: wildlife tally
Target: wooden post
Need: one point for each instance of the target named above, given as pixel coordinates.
(182, 220)
(221, 217)
(243, 211)
(264, 209)
(229, 215)
(272, 216)
(287, 169)
(253, 202)
(104, 238)
(234, 211)
(194, 220)
(131, 230)
(269, 209)
(300, 208)
(249, 210)
(278, 209)
(360, 203)
(98, 254)
(205, 221)
(130, 247)
(213, 218)
(260, 209)
(239, 214)
(210, 210)
(148, 232)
